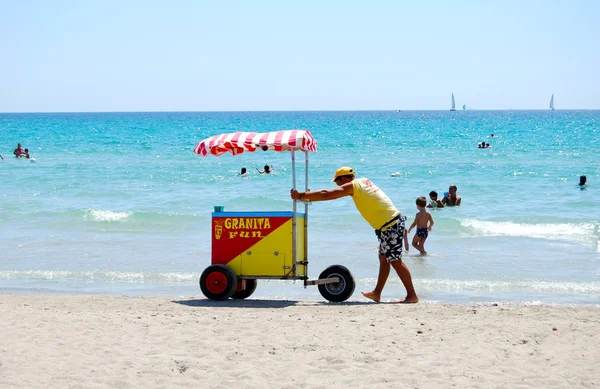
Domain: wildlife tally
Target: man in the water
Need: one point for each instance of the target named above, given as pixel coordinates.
(452, 199)
(18, 151)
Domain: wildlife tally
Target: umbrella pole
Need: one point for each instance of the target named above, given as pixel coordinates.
(305, 259)
(294, 231)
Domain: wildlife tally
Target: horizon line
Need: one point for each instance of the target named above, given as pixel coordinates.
(307, 110)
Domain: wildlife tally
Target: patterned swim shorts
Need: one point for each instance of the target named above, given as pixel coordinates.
(390, 241)
(422, 232)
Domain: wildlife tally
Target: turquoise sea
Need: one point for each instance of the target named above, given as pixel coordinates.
(117, 203)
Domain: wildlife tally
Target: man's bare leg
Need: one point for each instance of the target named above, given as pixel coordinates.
(406, 278)
(384, 272)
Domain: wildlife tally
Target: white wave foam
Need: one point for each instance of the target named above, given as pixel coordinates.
(484, 286)
(520, 286)
(106, 216)
(583, 231)
(110, 276)
(510, 286)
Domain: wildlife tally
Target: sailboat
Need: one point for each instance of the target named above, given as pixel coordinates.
(453, 104)
(464, 107)
(552, 103)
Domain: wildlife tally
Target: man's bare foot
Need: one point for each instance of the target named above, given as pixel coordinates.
(372, 295)
(408, 300)
(423, 252)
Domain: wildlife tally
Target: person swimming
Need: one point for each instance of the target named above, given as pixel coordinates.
(434, 203)
(267, 170)
(582, 181)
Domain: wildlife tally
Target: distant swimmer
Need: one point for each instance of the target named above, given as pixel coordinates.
(26, 154)
(268, 170)
(582, 181)
(434, 203)
(397, 174)
(243, 172)
(18, 151)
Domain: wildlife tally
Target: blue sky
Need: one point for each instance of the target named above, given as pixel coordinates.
(73, 56)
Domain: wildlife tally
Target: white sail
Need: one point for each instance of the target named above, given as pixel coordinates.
(552, 103)
(453, 104)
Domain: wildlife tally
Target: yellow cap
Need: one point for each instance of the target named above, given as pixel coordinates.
(343, 171)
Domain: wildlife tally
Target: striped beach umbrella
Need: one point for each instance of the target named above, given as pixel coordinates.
(238, 142)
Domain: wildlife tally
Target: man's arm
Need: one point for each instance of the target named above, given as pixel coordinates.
(458, 198)
(323, 194)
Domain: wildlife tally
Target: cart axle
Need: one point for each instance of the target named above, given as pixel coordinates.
(331, 280)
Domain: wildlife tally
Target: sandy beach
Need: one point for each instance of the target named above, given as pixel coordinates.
(53, 341)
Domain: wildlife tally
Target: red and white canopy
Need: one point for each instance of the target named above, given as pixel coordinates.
(238, 142)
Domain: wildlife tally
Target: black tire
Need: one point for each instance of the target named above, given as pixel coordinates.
(245, 293)
(218, 282)
(339, 291)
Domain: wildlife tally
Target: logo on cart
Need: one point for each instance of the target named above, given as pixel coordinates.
(246, 227)
(218, 229)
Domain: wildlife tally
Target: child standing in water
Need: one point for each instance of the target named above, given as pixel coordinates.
(424, 223)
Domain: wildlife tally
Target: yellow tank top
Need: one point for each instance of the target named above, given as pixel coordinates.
(373, 204)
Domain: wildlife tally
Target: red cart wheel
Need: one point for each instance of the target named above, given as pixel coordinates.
(218, 282)
(240, 293)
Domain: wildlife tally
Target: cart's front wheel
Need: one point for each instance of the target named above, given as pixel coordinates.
(218, 282)
(337, 291)
(240, 293)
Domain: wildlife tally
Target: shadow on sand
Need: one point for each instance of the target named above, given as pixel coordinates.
(248, 303)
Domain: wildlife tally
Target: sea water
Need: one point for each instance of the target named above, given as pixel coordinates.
(118, 203)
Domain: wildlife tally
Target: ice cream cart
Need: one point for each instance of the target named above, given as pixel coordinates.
(252, 245)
